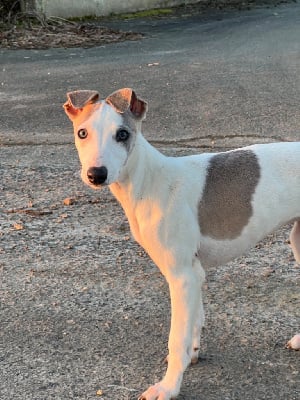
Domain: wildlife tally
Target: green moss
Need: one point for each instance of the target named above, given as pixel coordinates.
(157, 12)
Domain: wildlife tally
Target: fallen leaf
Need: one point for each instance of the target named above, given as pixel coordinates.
(18, 226)
(69, 201)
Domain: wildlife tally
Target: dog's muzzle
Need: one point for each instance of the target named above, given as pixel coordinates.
(97, 175)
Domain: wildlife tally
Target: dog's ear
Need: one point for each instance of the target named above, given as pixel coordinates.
(126, 99)
(77, 100)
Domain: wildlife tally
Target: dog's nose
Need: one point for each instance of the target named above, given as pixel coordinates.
(97, 175)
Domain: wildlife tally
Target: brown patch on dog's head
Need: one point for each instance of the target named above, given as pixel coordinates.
(124, 100)
(225, 207)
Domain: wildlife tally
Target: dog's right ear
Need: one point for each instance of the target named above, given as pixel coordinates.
(77, 100)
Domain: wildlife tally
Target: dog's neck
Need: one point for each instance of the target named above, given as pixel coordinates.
(139, 183)
(140, 172)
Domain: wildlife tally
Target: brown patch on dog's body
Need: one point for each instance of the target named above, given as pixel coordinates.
(225, 207)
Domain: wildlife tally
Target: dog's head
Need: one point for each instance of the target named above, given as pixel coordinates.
(105, 132)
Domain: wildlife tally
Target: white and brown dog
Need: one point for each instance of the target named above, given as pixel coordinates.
(188, 213)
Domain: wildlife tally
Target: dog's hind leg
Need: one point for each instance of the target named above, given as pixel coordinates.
(199, 314)
(295, 240)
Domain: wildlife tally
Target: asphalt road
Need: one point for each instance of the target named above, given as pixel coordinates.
(84, 313)
(226, 75)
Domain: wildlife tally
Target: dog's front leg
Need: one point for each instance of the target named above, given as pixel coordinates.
(184, 300)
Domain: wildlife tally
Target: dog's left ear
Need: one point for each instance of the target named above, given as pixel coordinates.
(77, 100)
(126, 99)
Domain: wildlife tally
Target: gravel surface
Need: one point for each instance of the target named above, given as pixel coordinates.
(70, 272)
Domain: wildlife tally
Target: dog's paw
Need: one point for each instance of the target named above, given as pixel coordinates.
(158, 392)
(195, 356)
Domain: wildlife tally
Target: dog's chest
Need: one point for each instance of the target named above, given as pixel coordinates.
(145, 223)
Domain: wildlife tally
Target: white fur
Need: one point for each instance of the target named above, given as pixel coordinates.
(160, 196)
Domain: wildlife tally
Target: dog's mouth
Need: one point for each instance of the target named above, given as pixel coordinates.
(97, 187)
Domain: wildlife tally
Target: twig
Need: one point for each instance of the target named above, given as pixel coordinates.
(29, 211)
(122, 388)
(11, 10)
(60, 20)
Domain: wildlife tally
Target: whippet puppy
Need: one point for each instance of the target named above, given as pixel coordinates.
(188, 213)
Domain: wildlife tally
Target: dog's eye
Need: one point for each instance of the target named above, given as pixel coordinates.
(82, 133)
(122, 135)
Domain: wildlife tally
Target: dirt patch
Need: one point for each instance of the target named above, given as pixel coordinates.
(56, 33)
